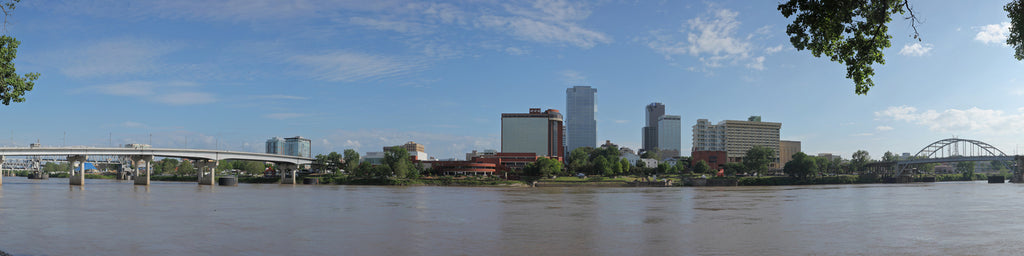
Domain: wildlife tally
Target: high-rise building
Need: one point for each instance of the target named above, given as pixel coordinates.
(298, 146)
(669, 134)
(736, 137)
(787, 149)
(650, 131)
(581, 125)
(534, 132)
(275, 145)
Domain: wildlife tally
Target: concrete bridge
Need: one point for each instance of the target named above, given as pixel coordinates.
(206, 160)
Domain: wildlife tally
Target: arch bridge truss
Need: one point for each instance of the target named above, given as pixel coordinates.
(957, 150)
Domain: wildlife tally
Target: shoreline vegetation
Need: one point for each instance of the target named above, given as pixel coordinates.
(571, 181)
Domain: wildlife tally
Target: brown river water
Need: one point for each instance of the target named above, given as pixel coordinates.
(107, 217)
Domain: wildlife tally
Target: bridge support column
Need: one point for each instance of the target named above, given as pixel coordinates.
(77, 177)
(288, 172)
(207, 178)
(2, 170)
(143, 176)
(1018, 173)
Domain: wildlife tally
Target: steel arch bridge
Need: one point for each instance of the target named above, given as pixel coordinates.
(957, 150)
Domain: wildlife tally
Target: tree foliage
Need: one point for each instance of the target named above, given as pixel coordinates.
(855, 32)
(802, 166)
(12, 85)
(543, 167)
(397, 159)
(1015, 11)
(757, 158)
(860, 159)
(702, 167)
(351, 159)
(889, 157)
(966, 168)
(733, 168)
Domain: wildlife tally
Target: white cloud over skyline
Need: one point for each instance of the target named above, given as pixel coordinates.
(993, 33)
(916, 49)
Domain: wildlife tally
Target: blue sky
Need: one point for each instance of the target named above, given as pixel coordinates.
(363, 74)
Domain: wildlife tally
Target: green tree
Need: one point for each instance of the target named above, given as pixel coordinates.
(579, 159)
(601, 165)
(624, 166)
(543, 167)
(701, 167)
(732, 168)
(966, 169)
(758, 158)
(663, 168)
(397, 159)
(1015, 11)
(860, 159)
(889, 157)
(186, 168)
(802, 166)
(615, 167)
(351, 159)
(12, 86)
(855, 32)
(650, 154)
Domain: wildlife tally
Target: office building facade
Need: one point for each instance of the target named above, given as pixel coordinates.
(736, 137)
(297, 146)
(786, 150)
(275, 145)
(669, 134)
(539, 132)
(650, 131)
(580, 120)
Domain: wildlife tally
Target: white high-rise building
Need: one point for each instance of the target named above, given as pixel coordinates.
(669, 134)
(580, 121)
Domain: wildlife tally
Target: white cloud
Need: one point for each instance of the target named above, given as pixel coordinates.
(916, 49)
(172, 93)
(773, 50)
(573, 77)
(993, 33)
(884, 128)
(712, 40)
(283, 116)
(516, 51)
(112, 57)
(866, 134)
(280, 97)
(547, 21)
(343, 66)
(397, 26)
(976, 120)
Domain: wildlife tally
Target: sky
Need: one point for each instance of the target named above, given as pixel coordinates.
(229, 74)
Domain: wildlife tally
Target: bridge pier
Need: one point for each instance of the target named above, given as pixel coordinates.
(2, 170)
(288, 171)
(143, 176)
(1018, 173)
(207, 178)
(77, 177)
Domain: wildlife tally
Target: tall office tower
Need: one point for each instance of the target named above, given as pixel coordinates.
(669, 135)
(535, 132)
(581, 125)
(650, 132)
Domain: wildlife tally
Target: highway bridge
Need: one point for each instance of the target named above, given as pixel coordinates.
(206, 160)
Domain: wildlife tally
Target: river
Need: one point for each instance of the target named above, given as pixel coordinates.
(106, 217)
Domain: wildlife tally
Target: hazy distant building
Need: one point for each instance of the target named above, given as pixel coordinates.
(414, 149)
(787, 149)
(650, 131)
(736, 137)
(534, 132)
(829, 156)
(580, 121)
(298, 146)
(275, 145)
(669, 134)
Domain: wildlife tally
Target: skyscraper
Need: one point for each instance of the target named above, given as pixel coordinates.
(650, 132)
(297, 146)
(275, 145)
(669, 135)
(535, 132)
(581, 126)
